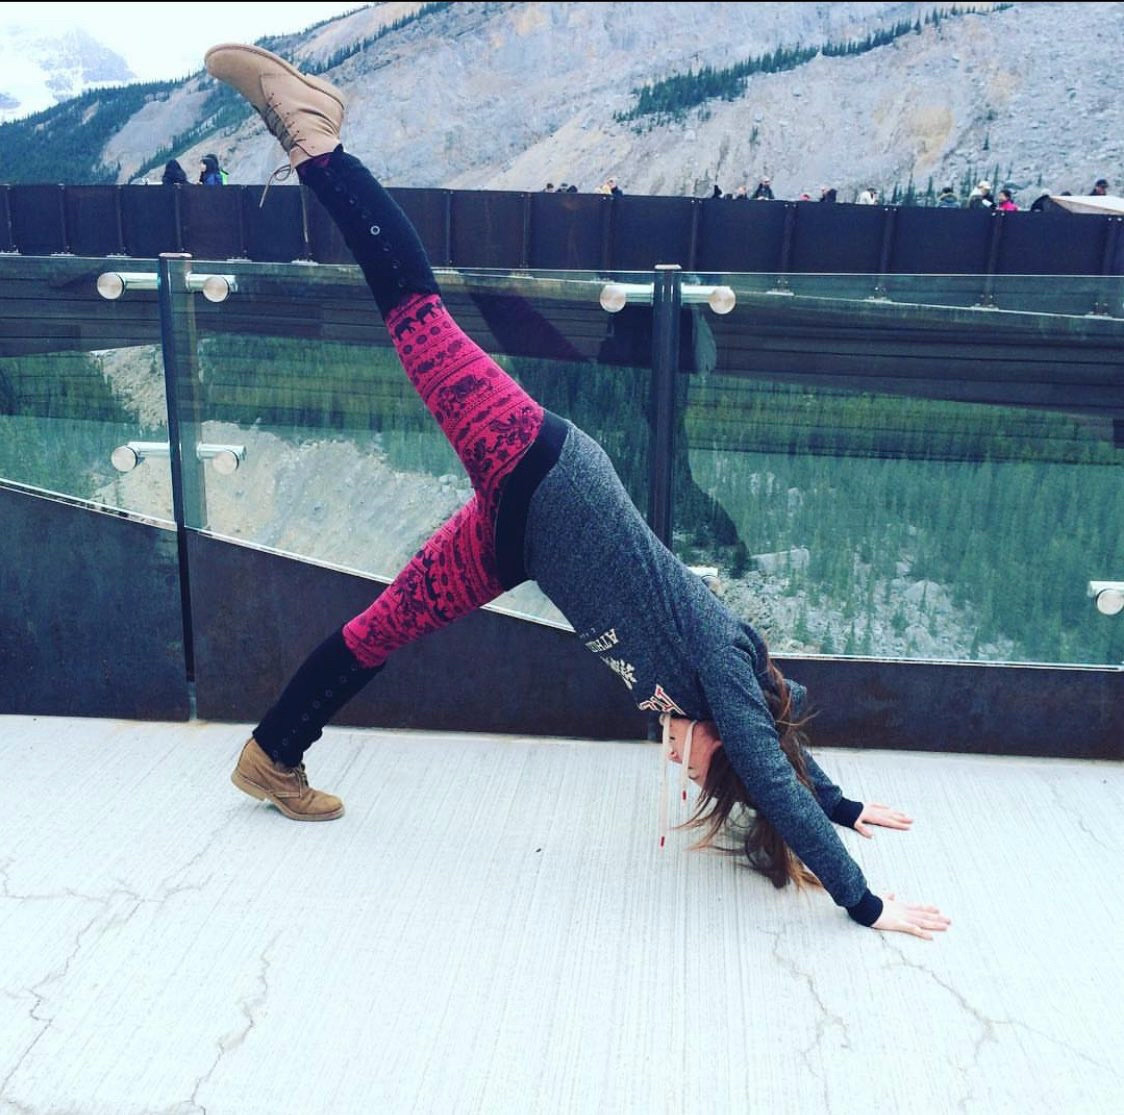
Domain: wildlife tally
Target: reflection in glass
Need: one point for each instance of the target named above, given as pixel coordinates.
(896, 527)
(63, 414)
(343, 463)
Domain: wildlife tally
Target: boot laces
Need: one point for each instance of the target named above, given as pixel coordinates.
(281, 174)
(298, 772)
(277, 124)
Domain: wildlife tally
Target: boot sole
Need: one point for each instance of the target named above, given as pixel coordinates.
(262, 794)
(316, 83)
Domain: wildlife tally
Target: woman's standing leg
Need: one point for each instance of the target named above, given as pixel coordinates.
(489, 420)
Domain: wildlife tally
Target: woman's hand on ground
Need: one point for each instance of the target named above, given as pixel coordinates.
(881, 815)
(901, 917)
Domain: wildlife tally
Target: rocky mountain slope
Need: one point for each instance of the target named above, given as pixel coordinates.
(512, 95)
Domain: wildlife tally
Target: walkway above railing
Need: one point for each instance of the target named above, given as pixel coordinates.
(499, 229)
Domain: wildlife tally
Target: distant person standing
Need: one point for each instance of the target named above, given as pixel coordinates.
(1100, 187)
(947, 199)
(869, 196)
(174, 174)
(764, 191)
(1007, 202)
(209, 173)
(981, 197)
(829, 194)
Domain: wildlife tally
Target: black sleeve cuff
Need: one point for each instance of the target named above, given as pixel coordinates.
(846, 812)
(867, 910)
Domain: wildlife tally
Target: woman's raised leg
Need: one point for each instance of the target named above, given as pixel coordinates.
(489, 420)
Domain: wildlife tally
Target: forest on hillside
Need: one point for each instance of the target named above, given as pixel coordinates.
(842, 523)
(671, 98)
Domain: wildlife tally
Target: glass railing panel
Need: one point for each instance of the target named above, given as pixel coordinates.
(1075, 295)
(341, 462)
(80, 377)
(858, 500)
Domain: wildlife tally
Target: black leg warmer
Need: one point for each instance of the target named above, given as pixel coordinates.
(329, 677)
(382, 239)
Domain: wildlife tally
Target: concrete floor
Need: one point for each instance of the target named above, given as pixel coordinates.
(491, 928)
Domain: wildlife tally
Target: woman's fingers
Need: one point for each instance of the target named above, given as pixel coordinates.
(939, 923)
(878, 814)
(894, 816)
(927, 917)
(916, 920)
(875, 813)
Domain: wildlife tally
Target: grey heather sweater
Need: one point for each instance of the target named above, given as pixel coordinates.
(678, 649)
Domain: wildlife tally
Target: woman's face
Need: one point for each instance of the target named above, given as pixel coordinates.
(704, 743)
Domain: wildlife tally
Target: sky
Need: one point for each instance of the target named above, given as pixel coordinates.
(162, 41)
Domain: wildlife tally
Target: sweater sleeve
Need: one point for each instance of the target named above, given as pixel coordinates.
(749, 736)
(839, 809)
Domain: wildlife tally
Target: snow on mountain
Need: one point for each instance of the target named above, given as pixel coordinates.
(38, 71)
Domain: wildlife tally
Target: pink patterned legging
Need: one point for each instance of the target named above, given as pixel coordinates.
(490, 422)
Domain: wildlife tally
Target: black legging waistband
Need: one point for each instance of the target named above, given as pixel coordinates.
(515, 502)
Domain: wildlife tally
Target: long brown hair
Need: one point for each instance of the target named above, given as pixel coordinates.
(725, 806)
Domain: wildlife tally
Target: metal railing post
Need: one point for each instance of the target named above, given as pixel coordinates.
(667, 300)
(987, 295)
(889, 231)
(183, 396)
(666, 295)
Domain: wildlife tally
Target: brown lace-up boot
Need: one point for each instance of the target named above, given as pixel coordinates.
(303, 112)
(287, 787)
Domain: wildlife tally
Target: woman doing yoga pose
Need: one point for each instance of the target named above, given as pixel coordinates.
(547, 506)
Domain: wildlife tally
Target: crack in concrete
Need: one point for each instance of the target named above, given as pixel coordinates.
(1015, 1023)
(827, 1017)
(163, 892)
(18, 1108)
(219, 831)
(37, 992)
(988, 1025)
(1077, 818)
(231, 1042)
(70, 892)
(108, 918)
